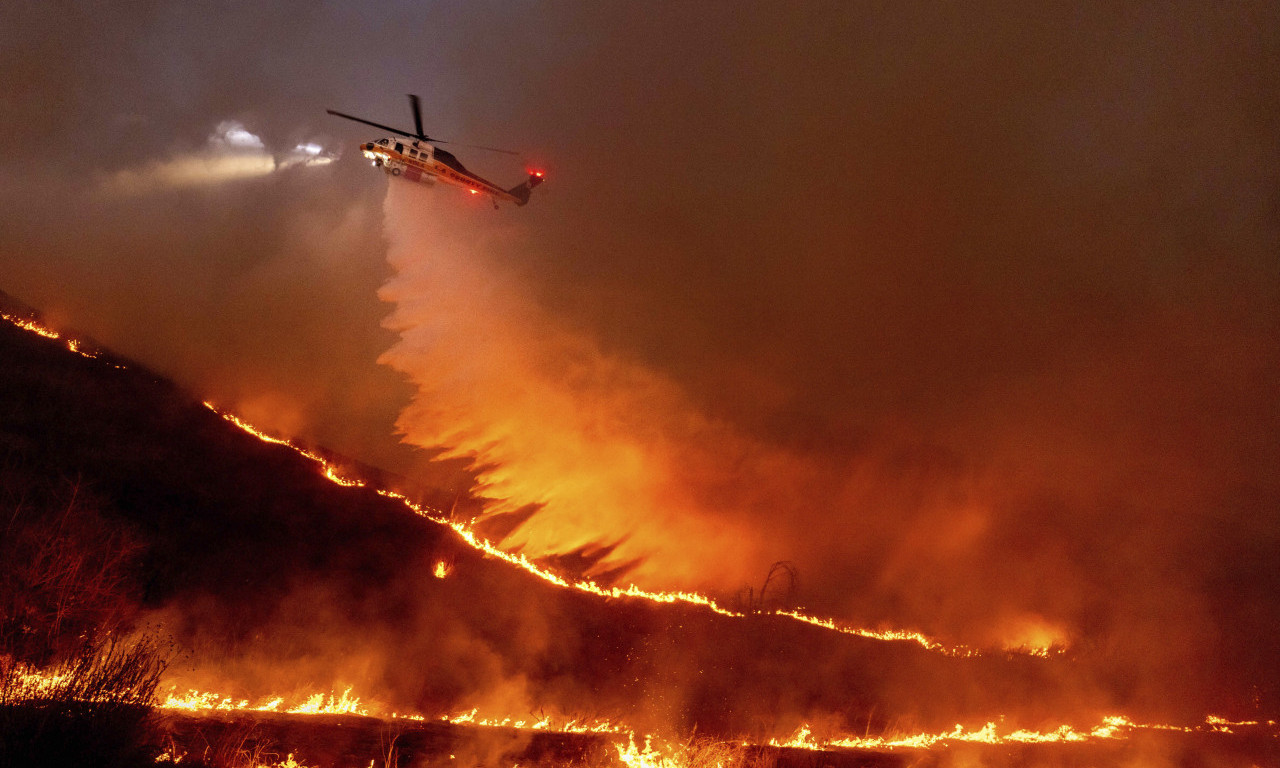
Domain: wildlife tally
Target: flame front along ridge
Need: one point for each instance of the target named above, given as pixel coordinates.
(478, 542)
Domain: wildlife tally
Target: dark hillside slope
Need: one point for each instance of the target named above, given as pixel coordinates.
(272, 579)
(219, 510)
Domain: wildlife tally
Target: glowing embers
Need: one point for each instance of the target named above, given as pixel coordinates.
(442, 570)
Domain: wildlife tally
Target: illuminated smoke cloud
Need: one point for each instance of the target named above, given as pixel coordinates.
(307, 154)
(231, 153)
(233, 135)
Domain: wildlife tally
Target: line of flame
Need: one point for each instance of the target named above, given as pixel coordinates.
(315, 704)
(540, 723)
(32, 684)
(346, 704)
(1111, 727)
(48, 333)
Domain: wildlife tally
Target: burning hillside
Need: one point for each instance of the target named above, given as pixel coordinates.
(281, 571)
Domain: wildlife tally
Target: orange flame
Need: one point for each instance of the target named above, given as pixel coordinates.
(315, 704)
(73, 345)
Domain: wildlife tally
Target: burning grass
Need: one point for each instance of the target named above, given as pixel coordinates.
(92, 708)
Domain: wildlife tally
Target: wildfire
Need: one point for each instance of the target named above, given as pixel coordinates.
(465, 532)
(482, 544)
(315, 704)
(34, 685)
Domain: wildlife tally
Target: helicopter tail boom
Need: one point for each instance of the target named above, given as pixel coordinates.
(521, 192)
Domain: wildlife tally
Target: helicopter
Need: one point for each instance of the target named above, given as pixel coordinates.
(416, 158)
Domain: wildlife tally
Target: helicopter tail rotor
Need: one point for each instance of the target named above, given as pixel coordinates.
(521, 192)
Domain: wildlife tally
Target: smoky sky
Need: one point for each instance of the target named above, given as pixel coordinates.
(970, 311)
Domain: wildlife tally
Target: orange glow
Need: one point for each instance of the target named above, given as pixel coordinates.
(464, 531)
(478, 542)
(1036, 637)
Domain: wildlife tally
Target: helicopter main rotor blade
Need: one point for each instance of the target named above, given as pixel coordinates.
(417, 119)
(396, 131)
(416, 106)
(474, 146)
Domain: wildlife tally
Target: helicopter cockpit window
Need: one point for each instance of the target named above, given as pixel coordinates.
(383, 142)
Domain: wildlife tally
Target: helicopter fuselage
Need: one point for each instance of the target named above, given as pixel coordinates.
(420, 161)
(416, 158)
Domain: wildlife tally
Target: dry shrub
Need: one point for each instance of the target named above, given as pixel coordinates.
(66, 570)
(72, 693)
(91, 709)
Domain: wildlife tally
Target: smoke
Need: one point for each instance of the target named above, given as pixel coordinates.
(978, 338)
(969, 312)
(231, 153)
(613, 453)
